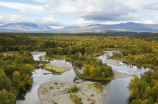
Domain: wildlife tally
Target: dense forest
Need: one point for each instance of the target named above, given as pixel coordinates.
(144, 90)
(136, 48)
(15, 74)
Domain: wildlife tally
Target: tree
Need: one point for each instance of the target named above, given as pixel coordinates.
(6, 97)
(156, 61)
(40, 58)
(16, 78)
(147, 93)
(5, 82)
(155, 93)
(97, 71)
(80, 56)
(92, 71)
(28, 68)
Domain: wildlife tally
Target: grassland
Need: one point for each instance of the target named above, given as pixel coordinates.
(11, 53)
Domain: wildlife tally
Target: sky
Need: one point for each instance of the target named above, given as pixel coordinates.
(60, 13)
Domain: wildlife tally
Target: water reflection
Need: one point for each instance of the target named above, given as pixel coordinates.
(22, 93)
(118, 92)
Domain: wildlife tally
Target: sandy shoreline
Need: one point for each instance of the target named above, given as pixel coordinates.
(35, 53)
(56, 91)
(119, 75)
(113, 62)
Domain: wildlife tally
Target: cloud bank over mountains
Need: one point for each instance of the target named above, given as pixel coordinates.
(79, 12)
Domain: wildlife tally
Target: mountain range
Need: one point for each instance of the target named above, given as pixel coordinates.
(32, 27)
(23, 26)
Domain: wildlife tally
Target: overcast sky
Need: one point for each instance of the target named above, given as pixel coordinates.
(78, 12)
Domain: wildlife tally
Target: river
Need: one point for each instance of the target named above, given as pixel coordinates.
(117, 90)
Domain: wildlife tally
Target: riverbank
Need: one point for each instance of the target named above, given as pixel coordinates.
(36, 53)
(56, 92)
(133, 62)
(152, 66)
(118, 75)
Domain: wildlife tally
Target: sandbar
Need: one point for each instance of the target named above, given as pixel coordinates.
(59, 65)
(119, 75)
(113, 62)
(56, 91)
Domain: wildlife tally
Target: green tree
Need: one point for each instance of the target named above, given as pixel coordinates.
(6, 97)
(5, 82)
(28, 68)
(40, 58)
(16, 78)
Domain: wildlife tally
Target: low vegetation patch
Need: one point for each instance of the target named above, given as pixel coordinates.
(93, 101)
(95, 85)
(75, 99)
(73, 89)
(10, 53)
(82, 76)
(54, 69)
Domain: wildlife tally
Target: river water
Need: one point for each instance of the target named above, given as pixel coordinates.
(117, 90)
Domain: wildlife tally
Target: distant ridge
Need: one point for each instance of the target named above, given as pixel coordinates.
(23, 26)
(122, 27)
(130, 26)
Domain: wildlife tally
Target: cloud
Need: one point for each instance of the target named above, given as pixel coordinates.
(41, 1)
(51, 5)
(148, 22)
(103, 10)
(24, 7)
(4, 19)
(10, 19)
(56, 27)
(92, 9)
(143, 4)
(154, 7)
(80, 22)
(47, 21)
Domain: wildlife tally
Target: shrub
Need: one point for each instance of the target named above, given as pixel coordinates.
(55, 83)
(75, 99)
(92, 95)
(55, 103)
(95, 85)
(73, 89)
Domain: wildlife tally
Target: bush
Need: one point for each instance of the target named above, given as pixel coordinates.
(155, 68)
(73, 89)
(95, 85)
(75, 99)
(55, 83)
